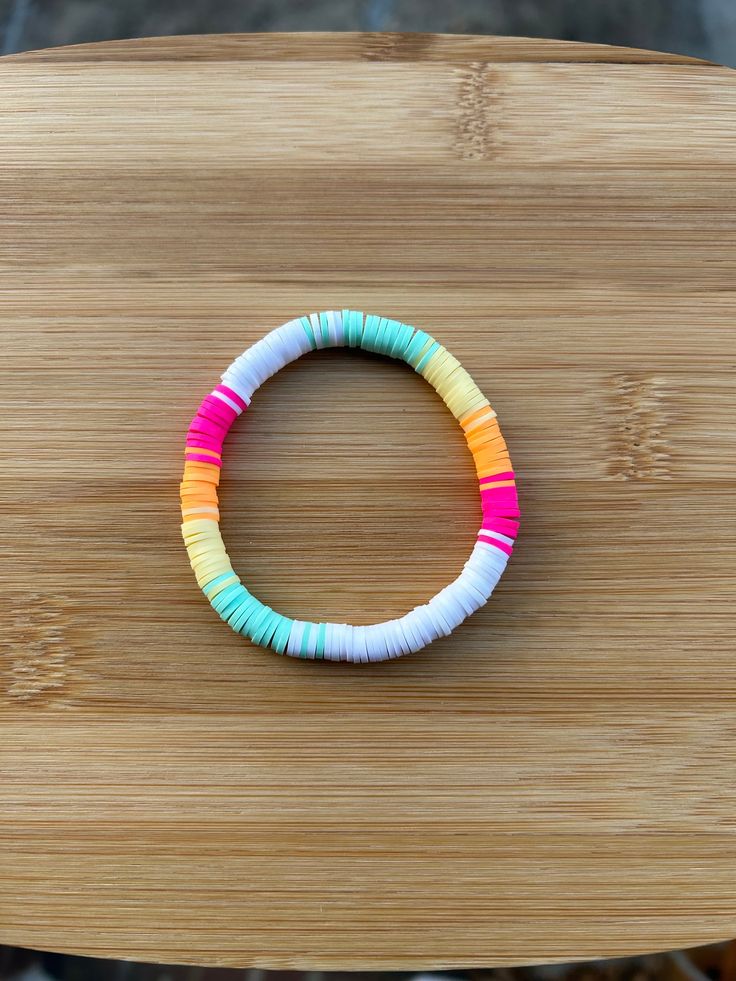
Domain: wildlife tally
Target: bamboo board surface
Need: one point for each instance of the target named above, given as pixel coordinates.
(557, 780)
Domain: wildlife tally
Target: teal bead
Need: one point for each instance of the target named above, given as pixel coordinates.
(388, 337)
(226, 612)
(425, 357)
(281, 635)
(358, 327)
(283, 639)
(209, 586)
(380, 335)
(268, 623)
(325, 330)
(234, 604)
(415, 347)
(304, 321)
(305, 639)
(369, 332)
(256, 621)
(404, 335)
(321, 637)
(269, 634)
(346, 325)
(228, 595)
(243, 614)
(246, 622)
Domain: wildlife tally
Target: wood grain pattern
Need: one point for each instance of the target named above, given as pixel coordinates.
(554, 781)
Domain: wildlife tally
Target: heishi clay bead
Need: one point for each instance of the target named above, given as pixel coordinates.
(321, 638)
(265, 630)
(416, 347)
(203, 460)
(281, 635)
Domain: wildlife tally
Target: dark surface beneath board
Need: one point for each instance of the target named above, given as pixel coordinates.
(713, 963)
(703, 28)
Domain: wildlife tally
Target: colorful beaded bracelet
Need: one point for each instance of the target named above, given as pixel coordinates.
(203, 460)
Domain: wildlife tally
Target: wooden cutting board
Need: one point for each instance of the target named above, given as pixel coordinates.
(555, 781)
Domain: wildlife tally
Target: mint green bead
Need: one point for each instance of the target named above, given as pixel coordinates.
(325, 329)
(243, 613)
(254, 618)
(403, 337)
(283, 644)
(247, 611)
(304, 321)
(281, 635)
(223, 596)
(270, 631)
(358, 327)
(262, 631)
(380, 343)
(369, 332)
(209, 586)
(418, 344)
(426, 356)
(377, 329)
(389, 337)
(229, 608)
(256, 621)
(380, 335)
(346, 326)
(231, 594)
(305, 639)
(321, 637)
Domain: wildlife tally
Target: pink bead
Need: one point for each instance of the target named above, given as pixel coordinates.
(500, 496)
(205, 442)
(203, 458)
(497, 543)
(220, 410)
(204, 413)
(233, 396)
(200, 425)
(498, 511)
(504, 525)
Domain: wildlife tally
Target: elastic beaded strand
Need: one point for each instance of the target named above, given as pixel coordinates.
(445, 611)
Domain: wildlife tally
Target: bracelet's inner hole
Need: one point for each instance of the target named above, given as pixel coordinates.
(348, 492)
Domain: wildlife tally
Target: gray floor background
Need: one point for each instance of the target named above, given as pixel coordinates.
(706, 28)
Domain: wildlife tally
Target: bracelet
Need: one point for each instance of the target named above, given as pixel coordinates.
(203, 461)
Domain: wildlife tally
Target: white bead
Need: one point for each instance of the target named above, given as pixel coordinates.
(339, 327)
(312, 640)
(361, 649)
(317, 330)
(295, 638)
(228, 401)
(332, 328)
(412, 637)
(348, 644)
